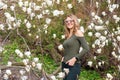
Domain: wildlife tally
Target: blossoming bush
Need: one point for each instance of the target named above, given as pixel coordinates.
(37, 26)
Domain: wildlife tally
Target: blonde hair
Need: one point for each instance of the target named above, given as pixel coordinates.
(76, 25)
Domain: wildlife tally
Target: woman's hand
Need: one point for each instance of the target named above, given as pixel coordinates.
(62, 59)
(71, 62)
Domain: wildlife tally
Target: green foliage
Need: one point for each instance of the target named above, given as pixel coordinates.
(9, 53)
(90, 75)
(48, 63)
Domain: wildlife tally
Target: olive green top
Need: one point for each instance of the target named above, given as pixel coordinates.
(72, 47)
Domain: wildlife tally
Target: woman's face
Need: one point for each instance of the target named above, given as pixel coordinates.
(69, 22)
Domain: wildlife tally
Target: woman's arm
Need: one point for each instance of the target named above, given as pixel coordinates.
(84, 45)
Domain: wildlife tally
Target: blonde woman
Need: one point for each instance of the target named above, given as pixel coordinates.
(71, 61)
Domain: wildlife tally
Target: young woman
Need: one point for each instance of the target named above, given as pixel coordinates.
(71, 60)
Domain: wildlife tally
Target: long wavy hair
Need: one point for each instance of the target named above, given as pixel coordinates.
(75, 27)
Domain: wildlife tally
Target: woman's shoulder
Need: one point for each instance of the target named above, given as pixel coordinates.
(79, 33)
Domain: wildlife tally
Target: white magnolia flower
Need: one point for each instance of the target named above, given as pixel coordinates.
(60, 47)
(93, 14)
(45, 26)
(56, 13)
(39, 16)
(105, 32)
(104, 13)
(115, 16)
(9, 63)
(118, 38)
(28, 54)
(19, 53)
(44, 4)
(112, 7)
(1, 4)
(37, 8)
(20, 3)
(103, 62)
(93, 45)
(54, 36)
(99, 64)
(1, 49)
(22, 72)
(9, 26)
(113, 53)
(117, 19)
(63, 36)
(61, 75)
(102, 38)
(46, 31)
(97, 4)
(95, 57)
(33, 64)
(90, 27)
(69, 6)
(36, 59)
(58, 1)
(32, 15)
(100, 21)
(61, 12)
(27, 68)
(118, 57)
(53, 77)
(96, 66)
(108, 1)
(119, 68)
(29, 34)
(37, 36)
(11, 18)
(97, 34)
(109, 76)
(39, 66)
(25, 20)
(102, 44)
(25, 61)
(26, 3)
(97, 17)
(12, 8)
(46, 12)
(0, 71)
(82, 29)
(79, 20)
(5, 76)
(90, 63)
(99, 27)
(90, 34)
(99, 50)
(48, 20)
(92, 24)
(29, 10)
(24, 78)
(107, 22)
(28, 25)
(49, 2)
(8, 72)
(2, 27)
(24, 9)
(7, 15)
(80, 1)
(66, 70)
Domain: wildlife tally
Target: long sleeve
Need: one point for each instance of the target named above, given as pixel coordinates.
(85, 47)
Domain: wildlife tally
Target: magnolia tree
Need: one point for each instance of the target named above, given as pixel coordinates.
(37, 26)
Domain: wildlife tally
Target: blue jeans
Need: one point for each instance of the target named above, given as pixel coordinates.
(74, 71)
